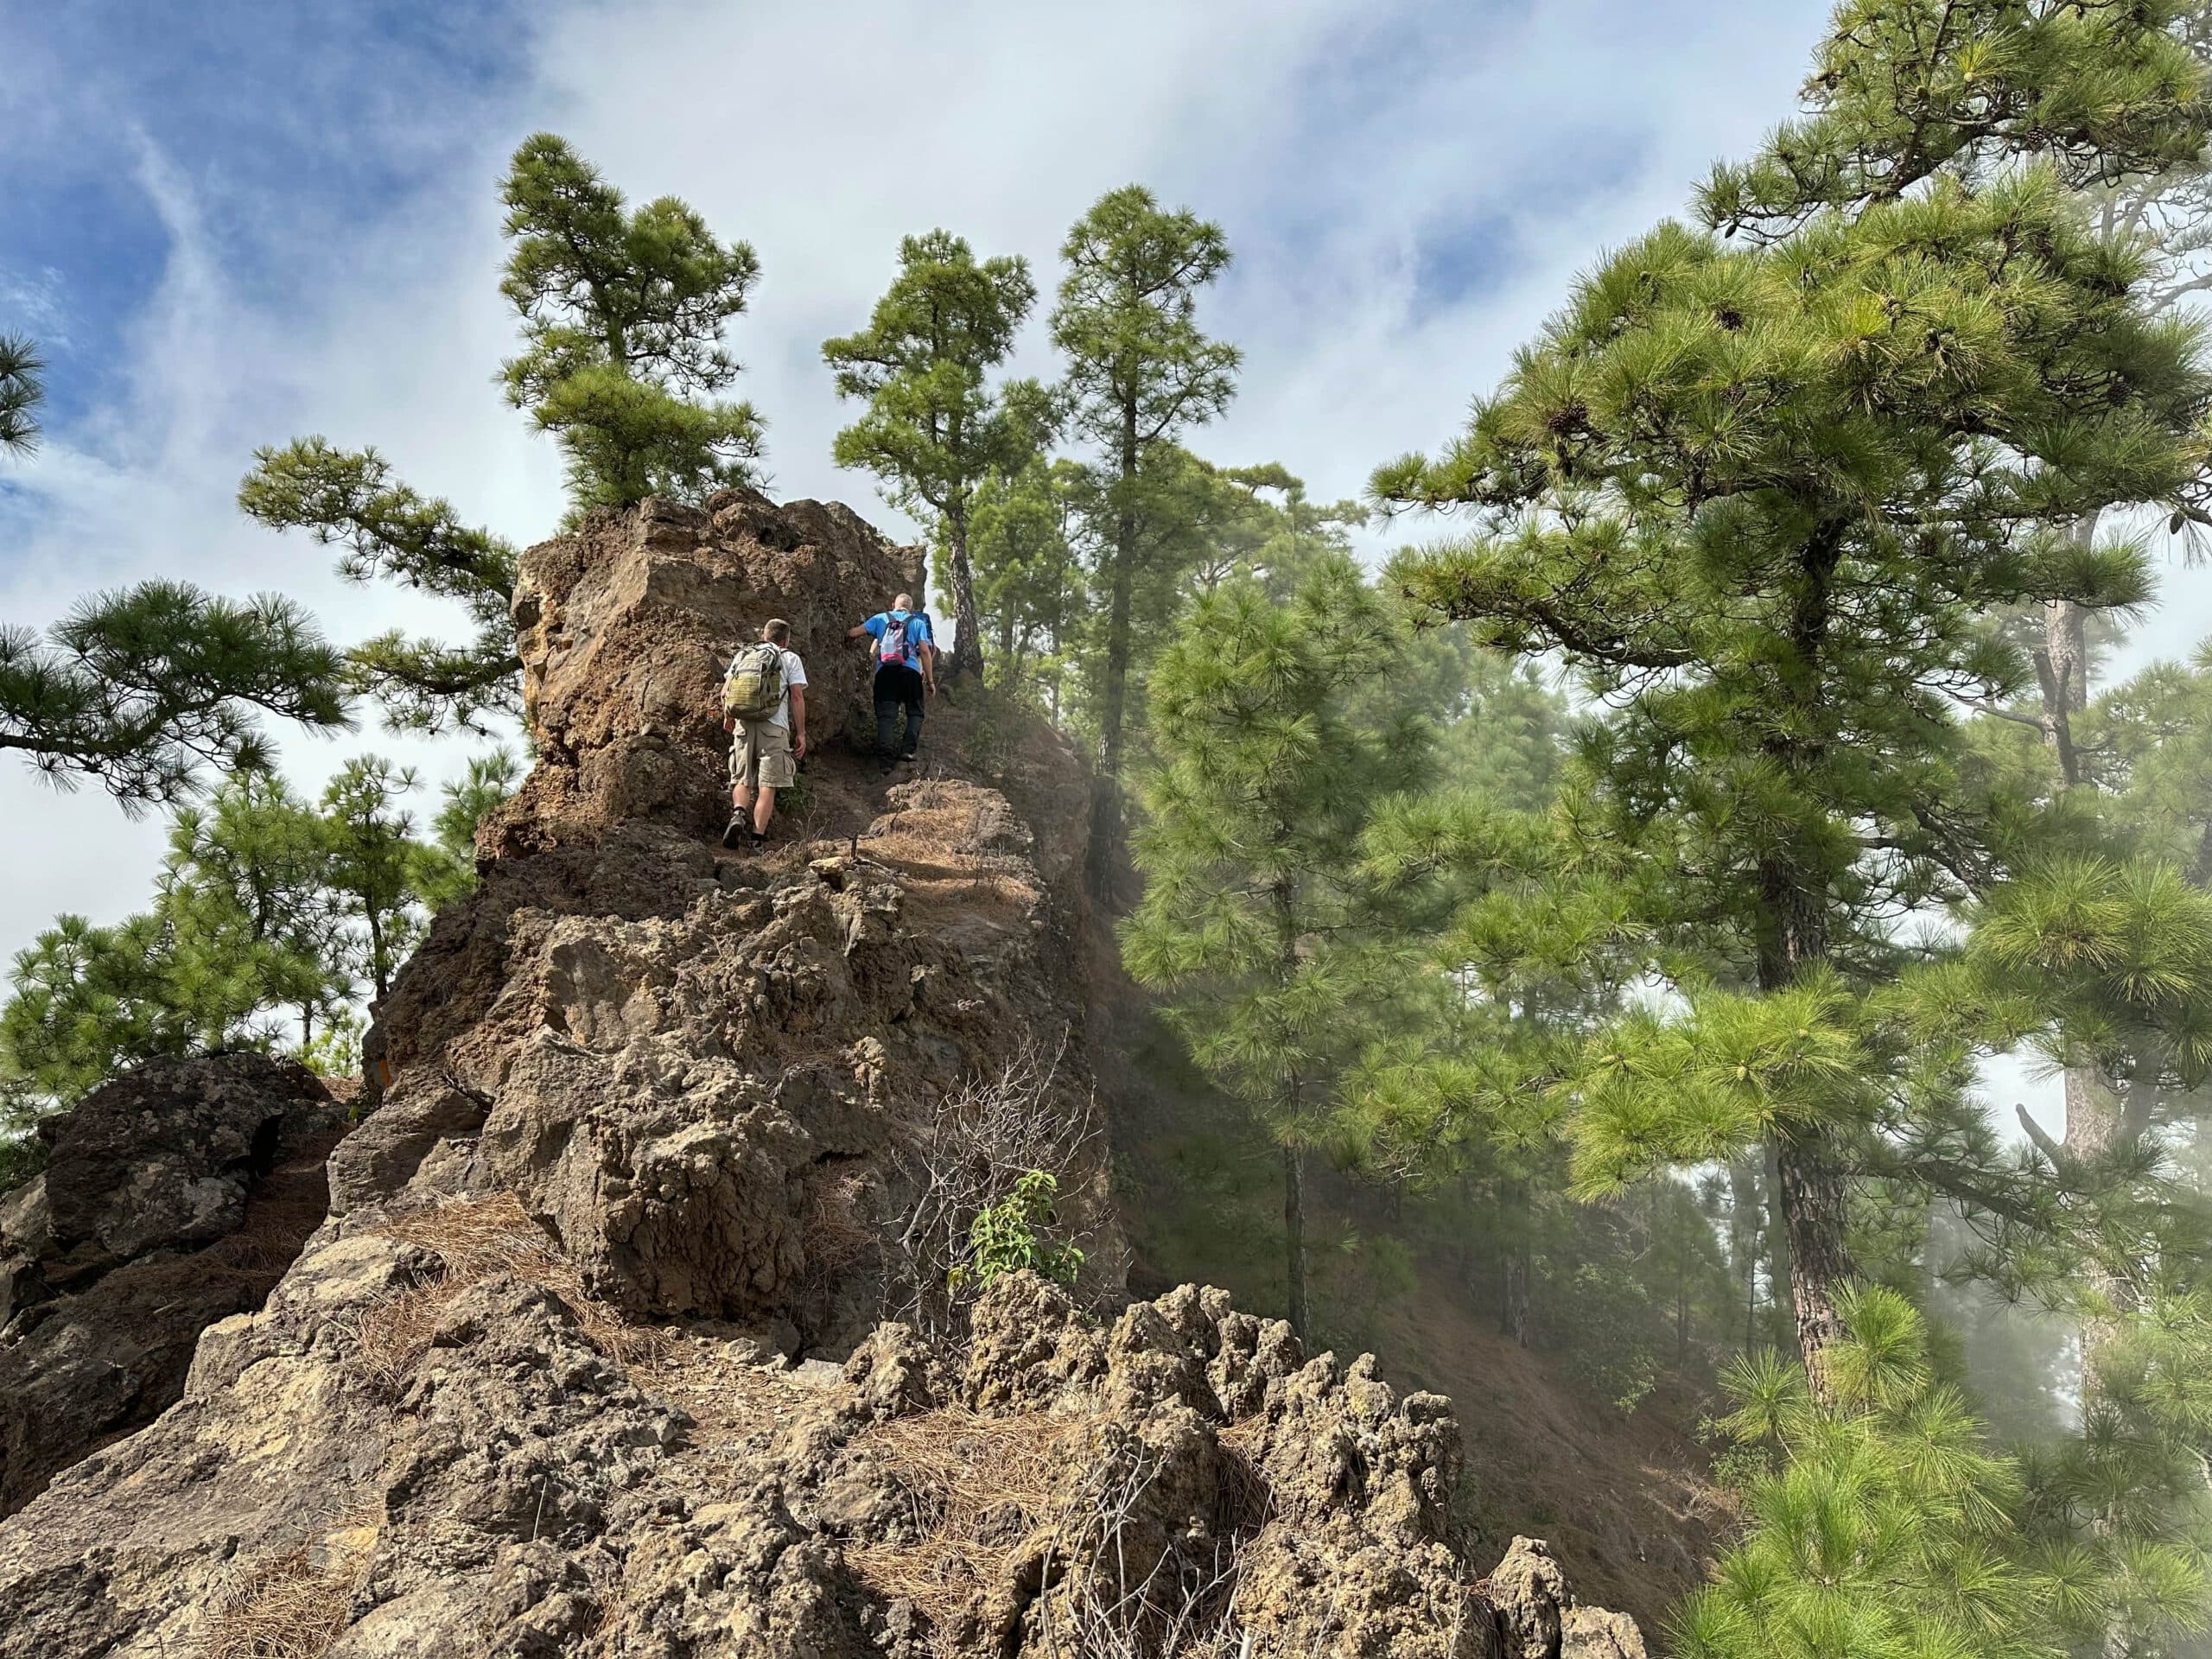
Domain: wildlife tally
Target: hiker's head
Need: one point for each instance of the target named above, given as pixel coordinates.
(776, 631)
(903, 602)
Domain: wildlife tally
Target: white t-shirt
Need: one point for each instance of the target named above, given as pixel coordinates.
(794, 674)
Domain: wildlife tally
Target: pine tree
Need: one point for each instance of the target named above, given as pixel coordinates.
(372, 865)
(934, 428)
(1028, 580)
(1526, 948)
(240, 944)
(1296, 530)
(1140, 372)
(148, 689)
(1884, 1527)
(389, 532)
(622, 316)
(447, 867)
(269, 918)
(1762, 493)
(22, 388)
(1254, 913)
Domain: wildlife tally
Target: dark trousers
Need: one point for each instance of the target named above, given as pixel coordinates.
(898, 687)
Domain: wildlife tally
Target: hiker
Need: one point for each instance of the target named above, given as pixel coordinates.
(763, 708)
(905, 674)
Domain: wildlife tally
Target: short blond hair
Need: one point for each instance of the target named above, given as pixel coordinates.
(777, 632)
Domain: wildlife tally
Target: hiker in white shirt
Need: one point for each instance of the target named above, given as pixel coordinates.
(766, 748)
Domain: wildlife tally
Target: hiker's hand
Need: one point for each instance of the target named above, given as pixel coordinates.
(729, 722)
(798, 747)
(929, 688)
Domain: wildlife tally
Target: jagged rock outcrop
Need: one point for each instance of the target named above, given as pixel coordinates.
(591, 1356)
(171, 1197)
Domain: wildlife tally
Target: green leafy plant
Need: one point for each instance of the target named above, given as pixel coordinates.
(1014, 1235)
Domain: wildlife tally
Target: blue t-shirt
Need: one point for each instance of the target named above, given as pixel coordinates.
(916, 627)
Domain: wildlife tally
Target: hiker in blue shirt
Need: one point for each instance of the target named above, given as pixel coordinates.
(905, 674)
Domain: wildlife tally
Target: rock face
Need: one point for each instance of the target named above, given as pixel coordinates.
(591, 1357)
(171, 1197)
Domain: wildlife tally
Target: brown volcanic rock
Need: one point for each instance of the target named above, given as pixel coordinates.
(643, 1128)
(172, 1198)
(626, 627)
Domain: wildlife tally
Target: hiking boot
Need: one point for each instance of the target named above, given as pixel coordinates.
(739, 831)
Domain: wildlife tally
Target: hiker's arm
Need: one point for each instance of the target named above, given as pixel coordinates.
(929, 666)
(798, 720)
(854, 633)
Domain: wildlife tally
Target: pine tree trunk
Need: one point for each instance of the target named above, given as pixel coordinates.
(1807, 1189)
(1466, 1250)
(1106, 803)
(1294, 1226)
(2095, 1118)
(1777, 1230)
(1793, 938)
(1813, 1212)
(1745, 1201)
(379, 972)
(1513, 1313)
(2095, 1124)
(968, 646)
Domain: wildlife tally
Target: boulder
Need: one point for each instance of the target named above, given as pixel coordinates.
(172, 1198)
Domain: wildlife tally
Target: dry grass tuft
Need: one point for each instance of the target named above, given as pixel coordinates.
(473, 1240)
(289, 1608)
(979, 1487)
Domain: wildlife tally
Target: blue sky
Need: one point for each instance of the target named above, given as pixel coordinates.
(292, 126)
(240, 220)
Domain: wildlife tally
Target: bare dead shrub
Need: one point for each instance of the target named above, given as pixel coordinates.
(967, 1157)
(472, 1240)
(837, 1233)
(1108, 1601)
(985, 1494)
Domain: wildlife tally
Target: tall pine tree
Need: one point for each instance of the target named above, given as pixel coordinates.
(622, 314)
(1140, 373)
(1254, 916)
(1758, 484)
(934, 428)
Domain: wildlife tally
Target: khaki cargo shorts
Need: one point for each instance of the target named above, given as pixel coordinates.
(760, 757)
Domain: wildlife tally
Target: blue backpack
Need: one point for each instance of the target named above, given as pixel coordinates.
(897, 644)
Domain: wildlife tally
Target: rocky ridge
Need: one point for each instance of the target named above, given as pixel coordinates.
(613, 1340)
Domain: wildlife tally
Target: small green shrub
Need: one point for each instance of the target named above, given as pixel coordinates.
(1012, 1235)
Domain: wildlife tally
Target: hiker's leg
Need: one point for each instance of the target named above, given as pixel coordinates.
(778, 771)
(744, 762)
(914, 704)
(887, 715)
